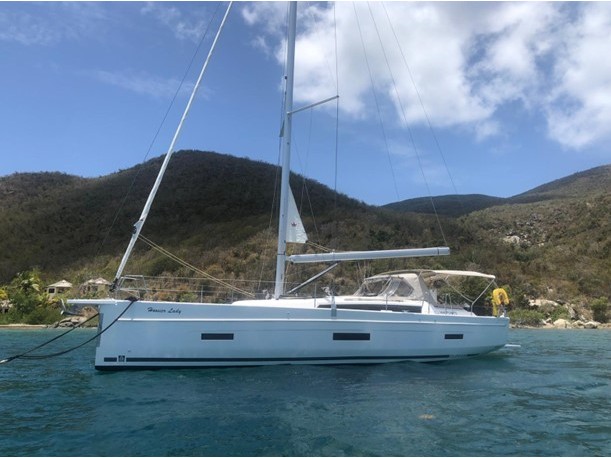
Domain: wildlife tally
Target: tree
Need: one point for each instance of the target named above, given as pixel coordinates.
(599, 309)
(24, 292)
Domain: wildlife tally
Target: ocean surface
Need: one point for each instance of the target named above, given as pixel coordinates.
(551, 397)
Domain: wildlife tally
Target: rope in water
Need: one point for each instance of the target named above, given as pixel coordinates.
(26, 354)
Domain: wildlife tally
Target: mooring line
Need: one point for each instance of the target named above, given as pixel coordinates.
(26, 355)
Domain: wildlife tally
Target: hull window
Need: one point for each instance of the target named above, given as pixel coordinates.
(454, 336)
(217, 336)
(351, 336)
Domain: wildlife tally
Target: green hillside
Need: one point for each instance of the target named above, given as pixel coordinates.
(553, 241)
(556, 239)
(211, 209)
(216, 212)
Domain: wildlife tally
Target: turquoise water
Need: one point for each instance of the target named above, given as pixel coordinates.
(551, 397)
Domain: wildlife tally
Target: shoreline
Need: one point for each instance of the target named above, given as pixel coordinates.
(28, 327)
(22, 326)
(603, 327)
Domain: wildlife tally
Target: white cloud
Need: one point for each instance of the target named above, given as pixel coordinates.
(271, 18)
(50, 23)
(30, 24)
(26, 29)
(579, 109)
(514, 42)
(141, 83)
(468, 61)
(270, 15)
(189, 26)
(486, 129)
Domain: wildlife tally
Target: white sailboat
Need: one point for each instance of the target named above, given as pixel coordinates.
(392, 317)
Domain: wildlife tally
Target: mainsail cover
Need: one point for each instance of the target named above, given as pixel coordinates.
(295, 232)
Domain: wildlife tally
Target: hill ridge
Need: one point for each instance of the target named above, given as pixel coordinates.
(586, 182)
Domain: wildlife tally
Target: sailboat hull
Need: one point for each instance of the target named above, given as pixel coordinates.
(180, 335)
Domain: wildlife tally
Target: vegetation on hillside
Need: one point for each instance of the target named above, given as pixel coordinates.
(217, 213)
(29, 303)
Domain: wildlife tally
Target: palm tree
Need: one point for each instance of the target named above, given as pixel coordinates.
(24, 292)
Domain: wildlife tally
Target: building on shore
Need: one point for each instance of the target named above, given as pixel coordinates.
(60, 287)
(95, 286)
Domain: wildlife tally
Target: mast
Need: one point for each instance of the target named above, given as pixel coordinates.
(286, 152)
(149, 201)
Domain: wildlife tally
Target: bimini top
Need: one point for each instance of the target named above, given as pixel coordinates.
(411, 284)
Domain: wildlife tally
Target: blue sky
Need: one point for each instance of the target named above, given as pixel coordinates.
(491, 98)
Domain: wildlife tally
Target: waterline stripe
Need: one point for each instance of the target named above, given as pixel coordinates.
(246, 360)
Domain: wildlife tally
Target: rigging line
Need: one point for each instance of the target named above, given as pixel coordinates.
(267, 246)
(188, 279)
(375, 97)
(426, 115)
(309, 198)
(170, 151)
(336, 151)
(406, 124)
(307, 159)
(304, 188)
(26, 354)
(319, 246)
(195, 269)
(336, 124)
(304, 165)
(192, 267)
(154, 139)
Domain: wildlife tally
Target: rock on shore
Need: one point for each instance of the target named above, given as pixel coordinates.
(578, 324)
(77, 320)
(562, 323)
